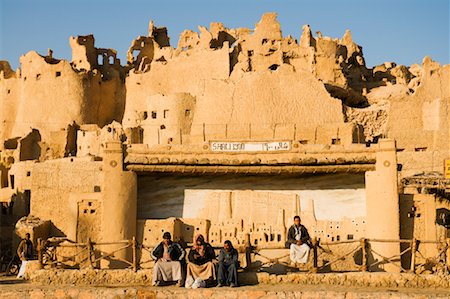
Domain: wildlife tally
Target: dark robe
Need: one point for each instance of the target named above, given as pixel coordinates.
(291, 236)
(195, 257)
(228, 265)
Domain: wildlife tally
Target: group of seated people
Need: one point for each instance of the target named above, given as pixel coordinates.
(201, 270)
(202, 266)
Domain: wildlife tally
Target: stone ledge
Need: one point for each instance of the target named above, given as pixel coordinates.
(143, 278)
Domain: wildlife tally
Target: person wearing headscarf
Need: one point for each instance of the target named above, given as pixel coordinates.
(169, 257)
(228, 265)
(201, 257)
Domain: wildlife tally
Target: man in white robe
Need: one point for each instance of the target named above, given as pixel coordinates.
(169, 257)
(298, 242)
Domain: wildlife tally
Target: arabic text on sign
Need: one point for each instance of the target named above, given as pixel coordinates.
(250, 146)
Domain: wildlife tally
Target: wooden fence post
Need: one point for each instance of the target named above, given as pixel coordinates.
(159, 136)
(133, 242)
(364, 254)
(315, 256)
(89, 249)
(295, 132)
(447, 254)
(248, 252)
(413, 255)
(204, 133)
(39, 248)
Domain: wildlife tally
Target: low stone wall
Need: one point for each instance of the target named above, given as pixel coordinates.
(379, 279)
(143, 278)
(88, 277)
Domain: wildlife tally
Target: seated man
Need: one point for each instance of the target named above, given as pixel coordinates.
(201, 258)
(228, 265)
(169, 257)
(297, 242)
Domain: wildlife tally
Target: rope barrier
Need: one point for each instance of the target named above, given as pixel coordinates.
(54, 258)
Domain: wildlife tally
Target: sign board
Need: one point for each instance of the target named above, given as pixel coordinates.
(447, 168)
(222, 146)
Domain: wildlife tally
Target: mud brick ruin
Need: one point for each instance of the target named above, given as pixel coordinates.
(231, 132)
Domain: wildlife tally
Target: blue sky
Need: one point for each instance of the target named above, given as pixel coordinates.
(403, 31)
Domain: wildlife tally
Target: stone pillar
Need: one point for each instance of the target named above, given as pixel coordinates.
(119, 203)
(382, 204)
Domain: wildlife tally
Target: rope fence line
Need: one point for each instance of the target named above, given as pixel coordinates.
(49, 256)
(47, 253)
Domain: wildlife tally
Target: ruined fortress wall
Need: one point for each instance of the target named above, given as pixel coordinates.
(183, 73)
(265, 97)
(420, 122)
(239, 78)
(49, 95)
(220, 85)
(168, 118)
(10, 96)
(104, 99)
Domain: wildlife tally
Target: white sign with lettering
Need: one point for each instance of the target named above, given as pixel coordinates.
(219, 146)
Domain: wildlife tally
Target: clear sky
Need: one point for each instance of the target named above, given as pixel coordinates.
(403, 31)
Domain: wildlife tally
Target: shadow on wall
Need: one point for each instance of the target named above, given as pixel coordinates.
(406, 227)
(3, 176)
(71, 145)
(29, 146)
(163, 196)
(358, 259)
(112, 262)
(55, 232)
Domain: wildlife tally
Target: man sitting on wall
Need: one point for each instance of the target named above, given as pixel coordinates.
(228, 265)
(169, 257)
(201, 264)
(297, 242)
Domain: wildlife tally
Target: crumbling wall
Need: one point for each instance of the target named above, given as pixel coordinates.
(244, 79)
(84, 55)
(168, 119)
(49, 94)
(179, 74)
(52, 183)
(91, 140)
(259, 100)
(36, 227)
(10, 96)
(420, 122)
(218, 84)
